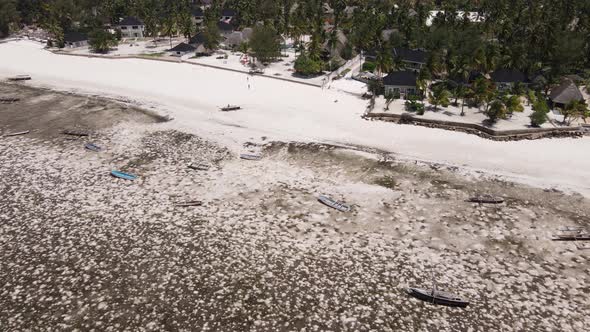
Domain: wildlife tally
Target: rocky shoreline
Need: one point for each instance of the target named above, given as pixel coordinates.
(80, 250)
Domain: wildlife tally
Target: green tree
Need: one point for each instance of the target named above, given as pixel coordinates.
(422, 80)
(211, 36)
(390, 96)
(101, 41)
(496, 110)
(439, 96)
(574, 110)
(307, 66)
(9, 16)
(384, 61)
(483, 92)
(513, 104)
(465, 93)
(414, 105)
(540, 111)
(265, 43)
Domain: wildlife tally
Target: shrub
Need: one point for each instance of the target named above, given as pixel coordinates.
(369, 66)
(347, 52)
(307, 66)
(513, 104)
(265, 43)
(376, 87)
(496, 111)
(101, 41)
(540, 111)
(538, 118)
(414, 105)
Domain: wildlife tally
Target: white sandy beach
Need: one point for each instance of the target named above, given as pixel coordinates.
(291, 112)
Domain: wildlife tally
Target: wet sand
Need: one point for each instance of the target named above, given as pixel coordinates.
(82, 250)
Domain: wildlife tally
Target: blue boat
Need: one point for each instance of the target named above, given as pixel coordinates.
(123, 176)
(93, 147)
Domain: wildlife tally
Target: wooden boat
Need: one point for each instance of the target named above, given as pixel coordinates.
(20, 78)
(123, 176)
(199, 167)
(188, 203)
(74, 133)
(93, 147)
(334, 204)
(437, 297)
(230, 108)
(18, 133)
(250, 156)
(486, 199)
(572, 234)
(7, 100)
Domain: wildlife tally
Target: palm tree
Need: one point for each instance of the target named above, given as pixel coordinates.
(467, 92)
(384, 61)
(439, 96)
(574, 110)
(423, 78)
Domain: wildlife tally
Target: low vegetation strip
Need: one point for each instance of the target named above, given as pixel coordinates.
(479, 130)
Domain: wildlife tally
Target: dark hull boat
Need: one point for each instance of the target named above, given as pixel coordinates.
(188, 203)
(333, 204)
(20, 78)
(5, 100)
(437, 297)
(93, 147)
(572, 233)
(230, 108)
(575, 237)
(250, 157)
(199, 167)
(486, 199)
(74, 133)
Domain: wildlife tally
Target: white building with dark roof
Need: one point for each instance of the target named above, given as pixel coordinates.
(413, 59)
(182, 49)
(402, 82)
(131, 27)
(506, 79)
(75, 39)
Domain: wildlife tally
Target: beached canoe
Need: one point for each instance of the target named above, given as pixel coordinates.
(123, 176)
(250, 157)
(572, 234)
(188, 203)
(7, 100)
(334, 204)
(18, 133)
(199, 167)
(20, 78)
(74, 133)
(230, 108)
(486, 199)
(93, 147)
(437, 297)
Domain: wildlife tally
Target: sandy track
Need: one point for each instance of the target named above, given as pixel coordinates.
(289, 112)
